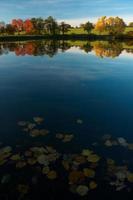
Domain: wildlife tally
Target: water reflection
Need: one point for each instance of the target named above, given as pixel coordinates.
(66, 123)
(102, 49)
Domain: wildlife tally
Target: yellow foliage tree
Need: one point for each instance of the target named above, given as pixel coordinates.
(111, 25)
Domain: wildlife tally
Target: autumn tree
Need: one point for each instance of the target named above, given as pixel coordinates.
(115, 26)
(111, 25)
(17, 24)
(28, 26)
(101, 24)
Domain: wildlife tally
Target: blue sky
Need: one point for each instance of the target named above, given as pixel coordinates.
(72, 11)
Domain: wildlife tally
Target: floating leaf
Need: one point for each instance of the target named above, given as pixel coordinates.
(121, 175)
(82, 190)
(35, 132)
(31, 126)
(106, 137)
(28, 153)
(79, 121)
(80, 159)
(92, 185)
(43, 159)
(20, 164)
(89, 172)
(93, 158)
(31, 161)
(52, 175)
(86, 152)
(2, 162)
(122, 141)
(16, 157)
(7, 149)
(130, 177)
(130, 146)
(44, 132)
(38, 120)
(23, 189)
(5, 179)
(45, 170)
(22, 123)
(75, 177)
(59, 136)
(108, 143)
(67, 138)
(110, 161)
(65, 164)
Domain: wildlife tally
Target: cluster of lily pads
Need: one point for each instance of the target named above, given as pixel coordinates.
(109, 141)
(31, 127)
(45, 156)
(81, 169)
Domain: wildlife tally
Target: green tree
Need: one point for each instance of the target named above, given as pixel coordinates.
(51, 26)
(131, 24)
(10, 29)
(38, 24)
(87, 27)
(63, 27)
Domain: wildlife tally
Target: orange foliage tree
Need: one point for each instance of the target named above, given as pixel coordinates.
(28, 26)
(111, 25)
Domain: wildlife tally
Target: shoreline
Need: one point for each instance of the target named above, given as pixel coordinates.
(90, 37)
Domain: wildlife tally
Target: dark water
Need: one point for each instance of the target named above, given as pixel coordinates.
(83, 91)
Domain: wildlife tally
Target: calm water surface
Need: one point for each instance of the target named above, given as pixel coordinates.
(86, 102)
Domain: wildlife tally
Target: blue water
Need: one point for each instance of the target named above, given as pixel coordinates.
(68, 86)
(64, 88)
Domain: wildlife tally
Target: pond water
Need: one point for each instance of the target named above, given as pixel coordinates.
(66, 120)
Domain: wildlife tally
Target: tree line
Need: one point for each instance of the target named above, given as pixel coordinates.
(39, 26)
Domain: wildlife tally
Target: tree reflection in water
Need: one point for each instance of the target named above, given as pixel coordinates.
(51, 47)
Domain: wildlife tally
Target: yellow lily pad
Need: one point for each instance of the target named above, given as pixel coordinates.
(45, 170)
(82, 190)
(68, 138)
(89, 172)
(80, 159)
(93, 158)
(130, 177)
(16, 157)
(38, 120)
(92, 185)
(86, 152)
(52, 175)
(76, 176)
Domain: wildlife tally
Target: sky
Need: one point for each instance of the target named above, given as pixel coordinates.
(74, 12)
